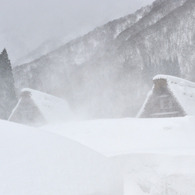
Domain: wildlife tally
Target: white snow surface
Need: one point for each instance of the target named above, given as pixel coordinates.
(39, 162)
(174, 136)
(158, 174)
(182, 90)
(156, 156)
(118, 156)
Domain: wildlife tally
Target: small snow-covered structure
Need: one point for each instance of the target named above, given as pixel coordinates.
(36, 108)
(170, 97)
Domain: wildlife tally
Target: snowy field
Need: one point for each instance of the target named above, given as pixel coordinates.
(35, 162)
(127, 136)
(100, 157)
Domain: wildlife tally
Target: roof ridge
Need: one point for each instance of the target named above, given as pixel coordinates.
(176, 80)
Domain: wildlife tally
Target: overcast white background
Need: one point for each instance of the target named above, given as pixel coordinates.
(26, 24)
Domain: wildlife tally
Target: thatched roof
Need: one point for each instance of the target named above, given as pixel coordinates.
(53, 109)
(182, 90)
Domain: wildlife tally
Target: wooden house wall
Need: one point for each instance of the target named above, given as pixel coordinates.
(162, 103)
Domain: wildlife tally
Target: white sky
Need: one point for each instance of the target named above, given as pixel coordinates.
(25, 24)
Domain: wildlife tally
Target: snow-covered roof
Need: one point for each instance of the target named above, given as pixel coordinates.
(52, 108)
(182, 90)
(145, 102)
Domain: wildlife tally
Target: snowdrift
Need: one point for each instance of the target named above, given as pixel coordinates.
(144, 157)
(156, 156)
(39, 162)
(132, 136)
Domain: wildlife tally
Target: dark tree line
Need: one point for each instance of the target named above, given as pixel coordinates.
(7, 89)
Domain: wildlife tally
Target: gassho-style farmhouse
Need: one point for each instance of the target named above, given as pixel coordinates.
(169, 97)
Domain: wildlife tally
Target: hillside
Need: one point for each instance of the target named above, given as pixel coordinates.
(108, 72)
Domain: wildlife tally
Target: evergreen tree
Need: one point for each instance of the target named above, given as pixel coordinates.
(7, 89)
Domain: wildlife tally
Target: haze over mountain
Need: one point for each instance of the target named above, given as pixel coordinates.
(38, 25)
(108, 72)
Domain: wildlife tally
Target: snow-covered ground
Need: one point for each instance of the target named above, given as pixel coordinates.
(156, 174)
(155, 156)
(118, 156)
(112, 137)
(35, 162)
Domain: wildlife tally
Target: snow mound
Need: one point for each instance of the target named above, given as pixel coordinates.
(146, 174)
(133, 136)
(156, 156)
(42, 163)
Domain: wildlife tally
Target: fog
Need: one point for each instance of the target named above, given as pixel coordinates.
(111, 112)
(108, 73)
(25, 25)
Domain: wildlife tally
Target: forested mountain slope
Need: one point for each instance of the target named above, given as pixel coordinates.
(108, 72)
